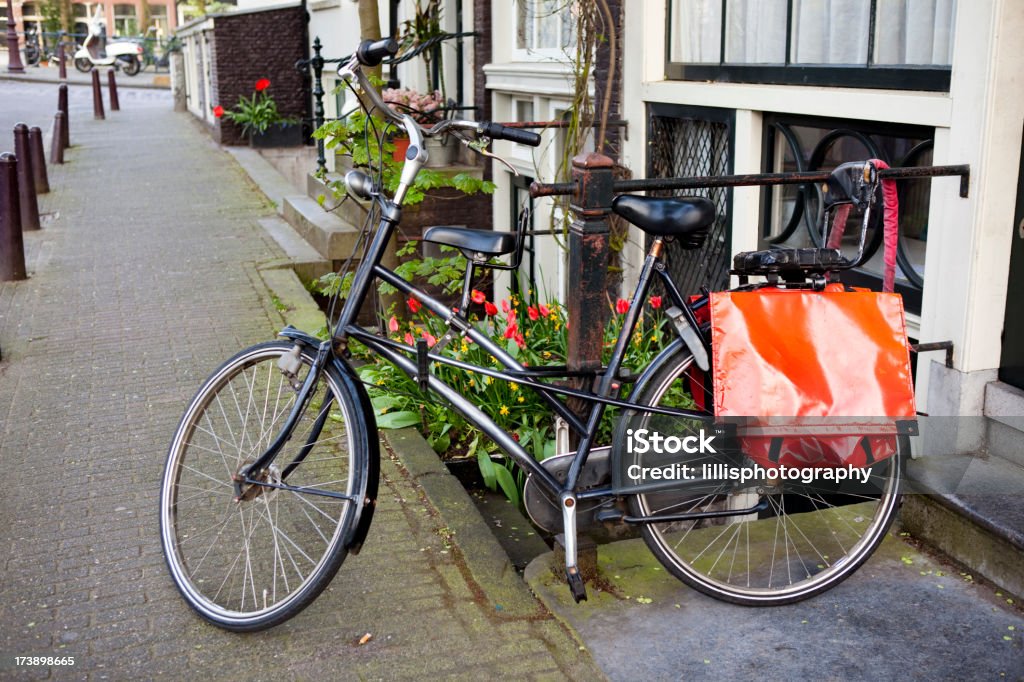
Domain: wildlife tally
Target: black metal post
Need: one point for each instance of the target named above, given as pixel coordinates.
(97, 97)
(115, 103)
(57, 141)
(317, 62)
(12, 245)
(587, 308)
(26, 179)
(14, 64)
(35, 144)
(62, 106)
(61, 56)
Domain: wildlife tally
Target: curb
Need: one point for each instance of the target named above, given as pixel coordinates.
(486, 562)
(29, 78)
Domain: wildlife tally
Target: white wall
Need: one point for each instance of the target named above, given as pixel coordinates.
(978, 122)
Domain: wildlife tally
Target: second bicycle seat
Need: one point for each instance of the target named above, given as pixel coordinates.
(687, 219)
(475, 244)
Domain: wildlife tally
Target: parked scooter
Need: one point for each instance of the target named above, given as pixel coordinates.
(96, 52)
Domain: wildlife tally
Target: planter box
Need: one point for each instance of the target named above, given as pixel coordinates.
(280, 135)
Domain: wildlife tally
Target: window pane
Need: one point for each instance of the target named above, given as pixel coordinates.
(914, 32)
(696, 31)
(830, 31)
(524, 25)
(755, 32)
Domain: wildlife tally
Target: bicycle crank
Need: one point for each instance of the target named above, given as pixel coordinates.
(546, 513)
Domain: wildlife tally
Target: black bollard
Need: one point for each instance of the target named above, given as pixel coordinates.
(97, 97)
(26, 180)
(12, 246)
(62, 106)
(115, 104)
(61, 57)
(35, 145)
(57, 143)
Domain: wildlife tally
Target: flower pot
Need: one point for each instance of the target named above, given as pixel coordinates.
(278, 135)
(401, 147)
(442, 152)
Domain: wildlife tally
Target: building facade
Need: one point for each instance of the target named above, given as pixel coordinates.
(123, 18)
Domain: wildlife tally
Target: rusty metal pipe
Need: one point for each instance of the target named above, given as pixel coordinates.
(26, 180)
(12, 245)
(660, 184)
(61, 57)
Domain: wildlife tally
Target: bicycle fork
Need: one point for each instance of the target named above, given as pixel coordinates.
(246, 485)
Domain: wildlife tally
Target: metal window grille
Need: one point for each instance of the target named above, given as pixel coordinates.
(683, 146)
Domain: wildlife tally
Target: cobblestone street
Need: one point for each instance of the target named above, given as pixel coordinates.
(143, 279)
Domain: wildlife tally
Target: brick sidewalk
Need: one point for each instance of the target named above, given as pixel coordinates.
(140, 288)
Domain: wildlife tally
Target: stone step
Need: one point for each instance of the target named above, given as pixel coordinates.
(306, 261)
(975, 516)
(332, 237)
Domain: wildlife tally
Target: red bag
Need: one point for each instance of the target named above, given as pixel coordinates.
(788, 359)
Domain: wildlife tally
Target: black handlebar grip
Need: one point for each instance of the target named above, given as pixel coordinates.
(499, 132)
(372, 53)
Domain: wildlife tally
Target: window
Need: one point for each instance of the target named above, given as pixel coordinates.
(545, 26)
(902, 44)
(793, 215)
(158, 18)
(125, 21)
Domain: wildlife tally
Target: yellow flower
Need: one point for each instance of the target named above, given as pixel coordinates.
(654, 337)
(520, 398)
(488, 381)
(465, 347)
(546, 354)
(503, 410)
(380, 382)
(552, 317)
(514, 386)
(472, 383)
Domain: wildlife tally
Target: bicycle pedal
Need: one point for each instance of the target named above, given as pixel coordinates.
(576, 584)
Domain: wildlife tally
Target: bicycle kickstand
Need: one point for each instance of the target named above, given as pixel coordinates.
(572, 571)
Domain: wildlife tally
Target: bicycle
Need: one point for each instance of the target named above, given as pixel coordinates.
(272, 474)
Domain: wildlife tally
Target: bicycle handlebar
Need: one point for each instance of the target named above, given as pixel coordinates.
(372, 53)
(497, 131)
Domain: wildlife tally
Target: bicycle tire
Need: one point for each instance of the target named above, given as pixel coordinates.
(824, 542)
(292, 543)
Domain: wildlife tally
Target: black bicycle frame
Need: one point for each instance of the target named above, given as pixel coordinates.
(607, 379)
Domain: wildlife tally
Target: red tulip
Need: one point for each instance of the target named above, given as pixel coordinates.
(511, 330)
(218, 111)
(544, 310)
(655, 302)
(413, 304)
(431, 339)
(532, 313)
(262, 84)
(504, 306)
(393, 324)
(408, 339)
(490, 309)
(478, 297)
(622, 306)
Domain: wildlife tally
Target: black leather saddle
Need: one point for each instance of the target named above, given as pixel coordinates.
(475, 244)
(687, 219)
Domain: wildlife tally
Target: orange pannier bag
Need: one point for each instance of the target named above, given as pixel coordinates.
(817, 378)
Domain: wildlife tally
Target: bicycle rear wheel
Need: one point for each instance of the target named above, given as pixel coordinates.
(810, 537)
(252, 563)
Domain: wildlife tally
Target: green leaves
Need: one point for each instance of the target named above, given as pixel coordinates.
(397, 420)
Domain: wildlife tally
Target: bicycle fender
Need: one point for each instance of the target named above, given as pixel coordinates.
(365, 436)
(368, 437)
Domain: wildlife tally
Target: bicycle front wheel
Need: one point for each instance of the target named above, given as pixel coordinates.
(251, 563)
(807, 539)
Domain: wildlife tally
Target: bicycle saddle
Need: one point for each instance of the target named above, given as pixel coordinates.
(687, 219)
(472, 242)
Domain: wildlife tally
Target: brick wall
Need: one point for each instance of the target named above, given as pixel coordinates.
(247, 46)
